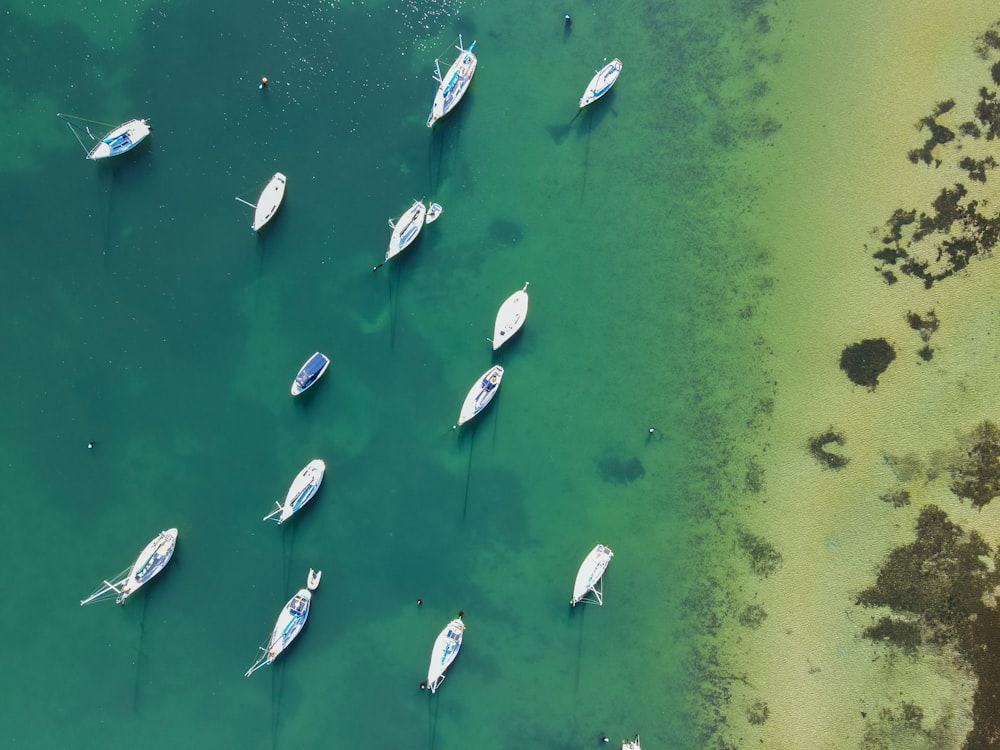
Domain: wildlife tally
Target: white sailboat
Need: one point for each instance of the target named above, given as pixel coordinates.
(115, 142)
(269, 201)
(301, 491)
(601, 83)
(405, 230)
(433, 213)
(510, 317)
(453, 85)
(481, 393)
(289, 623)
(588, 586)
(632, 744)
(446, 648)
(151, 560)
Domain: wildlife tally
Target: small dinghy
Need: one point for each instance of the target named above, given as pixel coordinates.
(310, 372)
(631, 744)
(446, 648)
(115, 142)
(453, 85)
(481, 394)
(301, 491)
(433, 212)
(405, 230)
(588, 586)
(153, 558)
(510, 317)
(267, 204)
(601, 83)
(289, 624)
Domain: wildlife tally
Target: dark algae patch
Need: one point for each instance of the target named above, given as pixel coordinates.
(864, 361)
(941, 240)
(615, 470)
(764, 558)
(820, 448)
(977, 477)
(937, 588)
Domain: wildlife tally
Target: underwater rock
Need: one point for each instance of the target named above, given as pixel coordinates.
(924, 325)
(866, 360)
(758, 712)
(764, 558)
(897, 498)
(902, 633)
(620, 471)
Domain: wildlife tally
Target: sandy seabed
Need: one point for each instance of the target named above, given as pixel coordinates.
(849, 92)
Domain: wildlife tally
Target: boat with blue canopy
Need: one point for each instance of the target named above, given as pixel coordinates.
(310, 372)
(453, 85)
(115, 142)
(289, 624)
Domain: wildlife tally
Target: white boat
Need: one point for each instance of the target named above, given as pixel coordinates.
(601, 83)
(631, 744)
(267, 204)
(405, 230)
(289, 624)
(510, 317)
(115, 142)
(453, 85)
(433, 212)
(150, 561)
(481, 393)
(311, 371)
(446, 648)
(301, 491)
(588, 586)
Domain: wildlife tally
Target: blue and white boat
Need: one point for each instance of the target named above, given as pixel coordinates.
(310, 372)
(115, 142)
(289, 624)
(601, 83)
(588, 587)
(453, 85)
(481, 393)
(303, 488)
(153, 558)
(446, 648)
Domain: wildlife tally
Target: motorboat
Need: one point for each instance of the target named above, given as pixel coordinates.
(453, 85)
(588, 587)
(446, 648)
(510, 317)
(301, 491)
(310, 372)
(289, 623)
(115, 142)
(153, 558)
(601, 83)
(481, 393)
(433, 212)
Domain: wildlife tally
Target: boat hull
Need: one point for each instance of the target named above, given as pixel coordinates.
(453, 85)
(481, 394)
(590, 573)
(303, 489)
(510, 317)
(269, 201)
(311, 371)
(289, 624)
(446, 648)
(406, 229)
(120, 140)
(601, 83)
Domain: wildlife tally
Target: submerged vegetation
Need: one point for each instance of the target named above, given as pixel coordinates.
(977, 477)
(864, 361)
(764, 558)
(938, 589)
(934, 244)
(819, 447)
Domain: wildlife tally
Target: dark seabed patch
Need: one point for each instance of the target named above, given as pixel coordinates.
(864, 361)
(819, 448)
(617, 470)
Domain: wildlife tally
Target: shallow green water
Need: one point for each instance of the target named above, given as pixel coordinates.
(141, 312)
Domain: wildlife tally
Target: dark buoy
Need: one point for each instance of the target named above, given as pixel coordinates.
(91, 444)
(423, 685)
(603, 737)
(419, 602)
(263, 84)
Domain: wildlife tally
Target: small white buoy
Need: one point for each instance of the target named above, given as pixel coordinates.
(263, 83)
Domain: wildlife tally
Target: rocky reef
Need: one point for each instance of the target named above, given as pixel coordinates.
(864, 361)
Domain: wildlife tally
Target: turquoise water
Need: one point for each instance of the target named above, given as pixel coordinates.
(141, 312)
